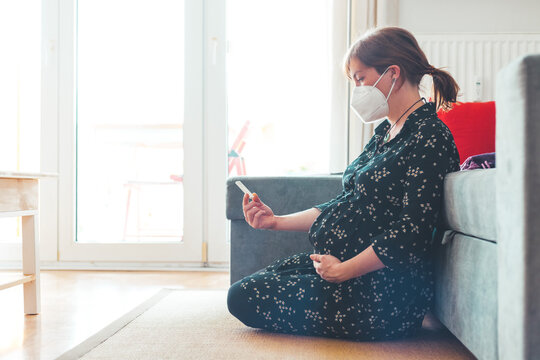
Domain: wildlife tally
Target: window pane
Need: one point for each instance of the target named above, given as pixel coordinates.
(130, 80)
(278, 86)
(20, 94)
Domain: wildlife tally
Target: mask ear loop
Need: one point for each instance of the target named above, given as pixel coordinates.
(393, 82)
(380, 77)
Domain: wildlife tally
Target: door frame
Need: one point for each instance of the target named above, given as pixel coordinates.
(216, 237)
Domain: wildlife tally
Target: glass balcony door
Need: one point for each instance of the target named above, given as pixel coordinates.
(129, 151)
(281, 128)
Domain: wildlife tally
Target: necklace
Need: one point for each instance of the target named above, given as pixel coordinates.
(387, 135)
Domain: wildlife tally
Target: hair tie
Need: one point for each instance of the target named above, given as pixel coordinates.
(432, 70)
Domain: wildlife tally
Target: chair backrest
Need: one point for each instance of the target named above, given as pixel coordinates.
(235, 157)
(238, 142)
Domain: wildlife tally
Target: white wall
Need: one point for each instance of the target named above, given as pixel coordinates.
(466, 16)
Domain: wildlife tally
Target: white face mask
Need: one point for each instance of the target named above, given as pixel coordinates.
(369, 103)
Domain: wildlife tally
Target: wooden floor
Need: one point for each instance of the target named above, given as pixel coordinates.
(77, 304)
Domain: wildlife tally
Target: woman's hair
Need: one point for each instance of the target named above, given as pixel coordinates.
(382, 47)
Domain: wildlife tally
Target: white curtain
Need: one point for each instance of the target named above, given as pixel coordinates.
(350, 19)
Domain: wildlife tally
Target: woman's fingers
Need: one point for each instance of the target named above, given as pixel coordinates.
(257, 217)
(252, 205)
(249, 216)
(251, 213)
(318, 268)
(247, 206)
(254, 210)
(245, 202)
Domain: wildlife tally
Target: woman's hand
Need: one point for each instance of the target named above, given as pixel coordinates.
(330, 268)
(258, 214)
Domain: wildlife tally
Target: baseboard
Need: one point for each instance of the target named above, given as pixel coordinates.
(124, 266)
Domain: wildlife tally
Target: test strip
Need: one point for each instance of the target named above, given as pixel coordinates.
(244, 188)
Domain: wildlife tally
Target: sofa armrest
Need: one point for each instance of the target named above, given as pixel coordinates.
(284, 194)
(253, 249)
(518, 204)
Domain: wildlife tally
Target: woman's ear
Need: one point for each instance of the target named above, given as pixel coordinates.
(396, 74)
(395, 71)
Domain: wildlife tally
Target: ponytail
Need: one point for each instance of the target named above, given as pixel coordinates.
(445, 88)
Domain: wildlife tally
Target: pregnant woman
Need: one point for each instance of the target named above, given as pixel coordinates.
(371, 275)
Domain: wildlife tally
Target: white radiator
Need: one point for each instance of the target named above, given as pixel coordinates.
(474, 59)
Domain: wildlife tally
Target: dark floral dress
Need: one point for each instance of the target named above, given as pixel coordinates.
(391, 199)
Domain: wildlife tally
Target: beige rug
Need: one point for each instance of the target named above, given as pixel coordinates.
(195, 324)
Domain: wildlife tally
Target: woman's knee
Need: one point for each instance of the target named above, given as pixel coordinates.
(235, 299)
(240, 307)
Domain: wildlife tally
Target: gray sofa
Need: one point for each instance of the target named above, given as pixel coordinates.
(486, 248)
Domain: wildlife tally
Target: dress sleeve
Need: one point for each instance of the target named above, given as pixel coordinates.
(407, 240)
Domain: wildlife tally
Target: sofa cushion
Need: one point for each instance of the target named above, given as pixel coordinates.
(466, 292)
(469, 203)
(473, 127)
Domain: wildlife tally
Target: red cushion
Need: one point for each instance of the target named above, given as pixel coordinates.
(473, 127)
